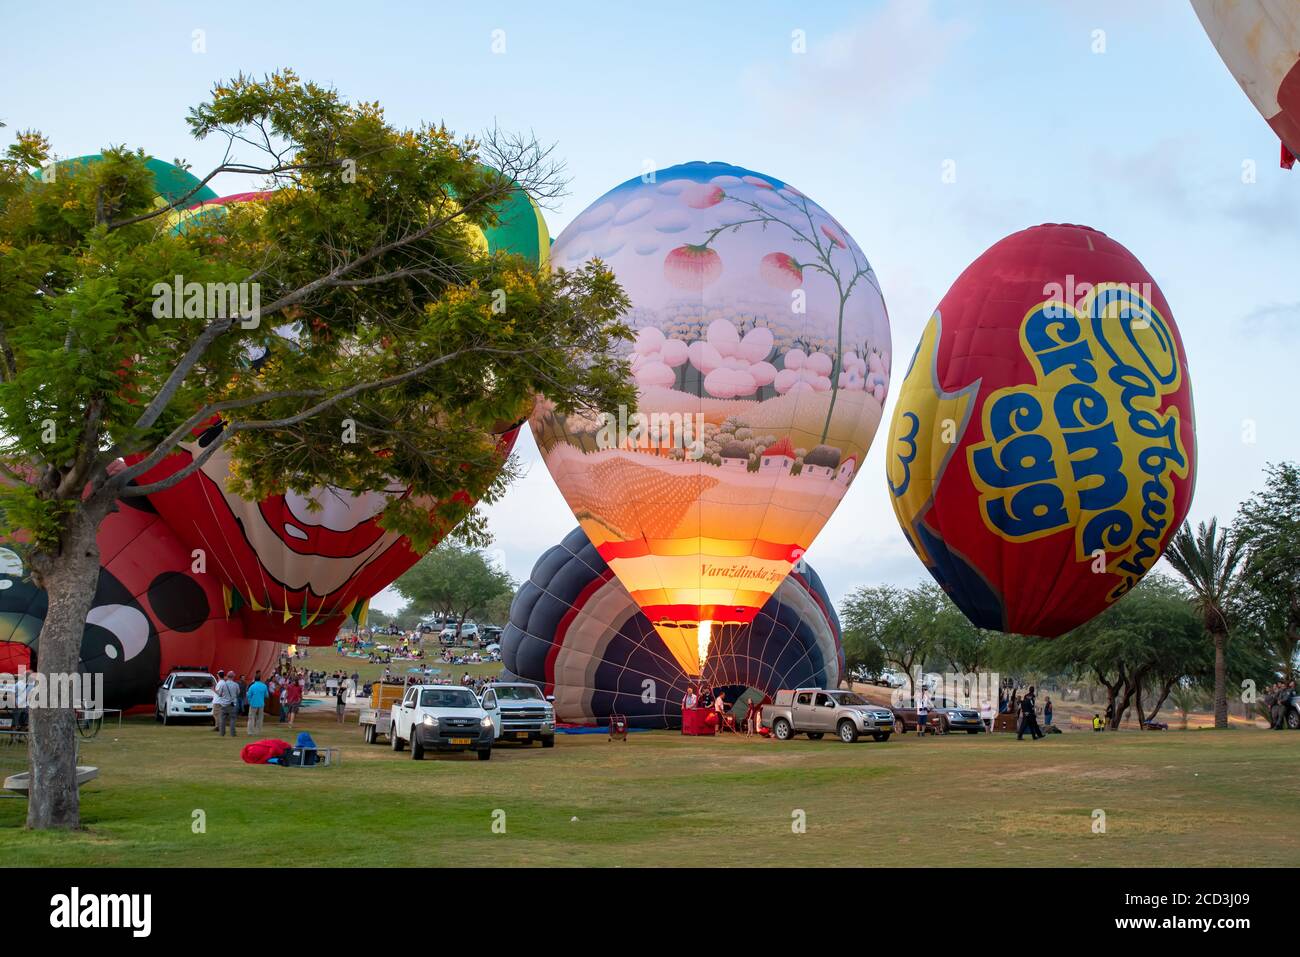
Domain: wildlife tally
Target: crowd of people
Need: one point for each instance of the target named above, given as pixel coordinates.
(1276, 699)
(238, 696)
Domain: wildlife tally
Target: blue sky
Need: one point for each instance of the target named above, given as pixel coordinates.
(1144, 141)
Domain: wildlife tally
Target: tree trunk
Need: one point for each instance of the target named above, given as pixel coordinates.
(1220, 680)
(69, 577)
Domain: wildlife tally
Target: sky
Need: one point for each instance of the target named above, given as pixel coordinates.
(1118, 115)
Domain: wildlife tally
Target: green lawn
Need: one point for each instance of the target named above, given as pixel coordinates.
(1194, 798)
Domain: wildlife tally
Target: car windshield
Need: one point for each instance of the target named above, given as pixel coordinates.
(848, 697)
(193, 683)
(519, 693)
(447, 698)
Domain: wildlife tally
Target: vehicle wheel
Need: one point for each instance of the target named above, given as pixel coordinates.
(881, 737)
(900, 726)
(1293, 720)
(417, 749)
(393, 739)
(848, 732)
(816, 735)
(157, 715)
(485, 754)
(368, 734)
(548, 742)
(781, 730)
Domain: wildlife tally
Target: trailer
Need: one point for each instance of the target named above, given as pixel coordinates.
(377, 714)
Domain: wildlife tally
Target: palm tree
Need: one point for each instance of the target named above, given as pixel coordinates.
(1207, 561)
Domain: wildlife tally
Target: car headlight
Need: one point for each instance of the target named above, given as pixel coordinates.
(430, 721)
(486, 722)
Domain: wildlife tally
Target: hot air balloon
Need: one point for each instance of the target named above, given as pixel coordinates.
(1259, 40)
(152, 612)
(575, 631)
(762, 360)
(292, 569)
(1043, 448)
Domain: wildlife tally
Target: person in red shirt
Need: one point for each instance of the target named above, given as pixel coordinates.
(294, 699)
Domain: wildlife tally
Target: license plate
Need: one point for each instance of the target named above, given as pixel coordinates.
(196, 707)
(6, 722)
(461, 741)
(521, 734)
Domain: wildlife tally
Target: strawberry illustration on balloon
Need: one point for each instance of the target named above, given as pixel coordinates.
(702, 195)
(781, 270)
(692, 267)
(834, 236)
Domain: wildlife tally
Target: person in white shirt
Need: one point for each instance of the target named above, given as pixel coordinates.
(226, 704)
(691, 699)
(922, 712)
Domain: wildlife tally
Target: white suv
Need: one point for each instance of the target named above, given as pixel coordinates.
(185, 694)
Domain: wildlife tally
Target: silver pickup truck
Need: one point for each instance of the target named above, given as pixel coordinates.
(816, 711)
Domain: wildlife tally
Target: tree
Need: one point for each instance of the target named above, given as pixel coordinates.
(391, 347)
(1208, 562)
(1150, 639)
(1268, 528)
(454, 582)
(901, 624)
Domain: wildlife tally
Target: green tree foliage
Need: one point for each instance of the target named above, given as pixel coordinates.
(1268, 528)
(1148, 642)
(1208, 561)
(456, 582)
(394, 349)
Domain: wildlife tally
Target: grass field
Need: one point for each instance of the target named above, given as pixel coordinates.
(1186, 799)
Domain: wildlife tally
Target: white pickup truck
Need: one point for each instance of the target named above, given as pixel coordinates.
(520, 712)
(441, 718)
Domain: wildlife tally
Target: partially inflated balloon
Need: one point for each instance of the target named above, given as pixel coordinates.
(761, 360)
(1259, 40)
(152, 612)
(1043, 448)
(575, 631)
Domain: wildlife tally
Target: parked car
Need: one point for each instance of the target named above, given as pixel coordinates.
(185, 694)
(944, 716)
(441, 718)
(520, 712)
(815, 711)
(1292, 715)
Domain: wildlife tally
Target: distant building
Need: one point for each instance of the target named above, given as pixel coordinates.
(847, 468)
(821, 462)
(734, 455)
(778, 457)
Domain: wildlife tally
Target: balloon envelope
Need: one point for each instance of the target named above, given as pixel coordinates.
(152, 612)
(761, 361)
(1259, 41)
(1043, 447)
(575, 631)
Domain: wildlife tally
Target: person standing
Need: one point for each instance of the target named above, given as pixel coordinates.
(256, 697)
(1028, 719)
(340, 706)
(227, 704)
(720, 709)
(922, 712)
(294, 698)
(1047, 711)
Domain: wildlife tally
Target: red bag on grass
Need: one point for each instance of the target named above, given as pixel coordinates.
(261, 752)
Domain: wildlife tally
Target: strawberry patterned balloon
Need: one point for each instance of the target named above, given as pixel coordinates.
(761, 359)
